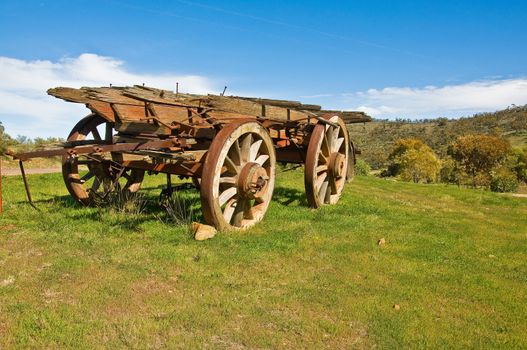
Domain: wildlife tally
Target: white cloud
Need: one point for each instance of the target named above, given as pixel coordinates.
(26, 109)
(431, 101)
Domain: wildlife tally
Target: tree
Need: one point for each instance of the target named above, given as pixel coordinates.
(519, 163)
(477, 155)
(5, 140)
(412, 160)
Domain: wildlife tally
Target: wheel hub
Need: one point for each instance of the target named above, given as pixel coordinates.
(253, 181)
(337, 162)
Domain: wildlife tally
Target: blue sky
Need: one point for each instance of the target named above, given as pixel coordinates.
(389, 58)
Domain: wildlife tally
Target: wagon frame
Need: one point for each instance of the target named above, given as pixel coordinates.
(228, 145)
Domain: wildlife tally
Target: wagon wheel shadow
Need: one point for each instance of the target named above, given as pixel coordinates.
(288, 196)
(154, 211)
(151, 210)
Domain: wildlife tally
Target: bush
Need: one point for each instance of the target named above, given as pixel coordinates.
(519, 163)
(362, 168)
(447, 174)
(504, 181)
(412, 160)
(477, 156)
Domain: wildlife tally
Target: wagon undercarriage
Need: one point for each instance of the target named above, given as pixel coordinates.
(229, 146)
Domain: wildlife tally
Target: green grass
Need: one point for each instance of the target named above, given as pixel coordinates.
(454, 260)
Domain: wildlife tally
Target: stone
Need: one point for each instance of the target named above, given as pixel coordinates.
(203, 232)
(8, 281)
(381, 241)
(397, 307)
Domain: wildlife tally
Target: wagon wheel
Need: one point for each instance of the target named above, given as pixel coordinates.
(326, 163)
(238, 176)
(85, 185)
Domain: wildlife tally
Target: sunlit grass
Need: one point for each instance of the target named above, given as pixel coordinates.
(454, 260)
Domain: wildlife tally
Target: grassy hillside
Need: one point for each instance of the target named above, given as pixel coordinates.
(375, 139)
(454, 260)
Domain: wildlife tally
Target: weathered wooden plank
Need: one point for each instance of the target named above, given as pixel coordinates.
(281, 103)
(132, 127)
(349, 117)
(69, 94)
(102, 108)
(112, 95)
(162, 96)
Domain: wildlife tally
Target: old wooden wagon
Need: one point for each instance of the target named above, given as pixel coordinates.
(229, 146)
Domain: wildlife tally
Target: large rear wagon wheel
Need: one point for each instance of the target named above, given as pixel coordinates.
(89, 178)
(238, 176)
(326, 163)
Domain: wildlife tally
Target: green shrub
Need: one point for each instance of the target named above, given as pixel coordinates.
(448, 174)
(412, 160)
(362, 168)
(519, 163)
(504, 181)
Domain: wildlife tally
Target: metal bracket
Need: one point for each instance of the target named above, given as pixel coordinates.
(26, 185)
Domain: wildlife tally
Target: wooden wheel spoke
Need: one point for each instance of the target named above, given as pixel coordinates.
(227, 194)
(262, 159)
(235, 153)
(229, 210)
(323, 189)
(320, 180)
(333, 185)
(108, 136)
(322, 158)
(96, 134)
(255, 147)
(321, 168)
(231, 166)
(231, 180)
(338, 144)
(240, 211)
(87, 176)
(246, 147)
(248, 210)
(327, 195)
(96, 184)
(326, 148)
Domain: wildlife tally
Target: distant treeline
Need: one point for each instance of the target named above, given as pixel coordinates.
(22, 143)
(488, 150)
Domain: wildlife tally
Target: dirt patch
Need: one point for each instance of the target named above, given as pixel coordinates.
(516, 195)
(15, 171)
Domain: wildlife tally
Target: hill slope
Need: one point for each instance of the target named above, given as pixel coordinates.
(376, 138)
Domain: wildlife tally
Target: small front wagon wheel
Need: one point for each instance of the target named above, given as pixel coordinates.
(90, 178)
(326, 163)
(238, 176)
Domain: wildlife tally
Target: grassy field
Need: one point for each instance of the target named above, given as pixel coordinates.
(454, 260)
